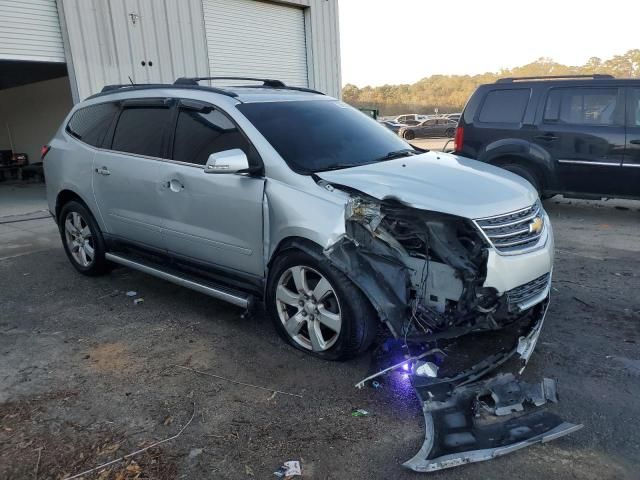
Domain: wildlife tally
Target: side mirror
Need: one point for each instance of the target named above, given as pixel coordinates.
(228, 161)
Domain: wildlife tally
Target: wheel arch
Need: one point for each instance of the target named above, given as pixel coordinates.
(64, 197)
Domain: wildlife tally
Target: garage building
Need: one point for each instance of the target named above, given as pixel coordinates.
(56, 53)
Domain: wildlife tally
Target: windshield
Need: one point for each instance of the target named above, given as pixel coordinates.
(319, 135)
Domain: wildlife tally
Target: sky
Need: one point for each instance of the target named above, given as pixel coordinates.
(402, 41)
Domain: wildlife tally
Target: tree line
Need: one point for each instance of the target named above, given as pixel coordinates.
(449, 93)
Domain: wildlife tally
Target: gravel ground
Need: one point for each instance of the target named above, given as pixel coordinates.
(87, 376)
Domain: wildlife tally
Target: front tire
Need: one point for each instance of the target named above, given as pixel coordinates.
(317, 309)
(409, 135)
(82, 239)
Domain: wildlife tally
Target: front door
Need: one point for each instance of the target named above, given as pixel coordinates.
(631, 163)
(126, 178)
(212, 219)
(583, 130)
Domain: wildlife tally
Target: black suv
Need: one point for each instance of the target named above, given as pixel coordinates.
(574, 135)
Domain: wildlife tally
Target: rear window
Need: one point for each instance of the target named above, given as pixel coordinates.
(141, 130)
(317, 135)
(581, 106)
(90, 124)
(505, 106)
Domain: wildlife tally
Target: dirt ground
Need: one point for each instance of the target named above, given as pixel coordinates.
(87, 376)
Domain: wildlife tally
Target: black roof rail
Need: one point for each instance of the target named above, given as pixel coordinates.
(129, 87)
(595, 76)
(266, 83)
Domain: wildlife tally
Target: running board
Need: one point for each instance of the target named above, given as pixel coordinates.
(236, 298)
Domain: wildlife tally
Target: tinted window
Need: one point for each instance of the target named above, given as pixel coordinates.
(321, 134)
(581, 106)
(141, 130)
(505, 106)
(199, 134)
(90, 124)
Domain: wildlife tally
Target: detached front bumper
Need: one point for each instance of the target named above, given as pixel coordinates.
(470, 420)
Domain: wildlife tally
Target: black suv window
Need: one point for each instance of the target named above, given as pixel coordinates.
(581, 106)
(634, 111)
(505, 106)
(90, 124)
(201, 133)
(141, 130)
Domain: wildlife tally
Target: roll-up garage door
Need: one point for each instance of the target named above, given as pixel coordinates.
(256, 39)
(30, 30)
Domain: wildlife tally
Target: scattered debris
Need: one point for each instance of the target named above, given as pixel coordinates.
(408, 361)
(194, 452)
(359, 412)
(132, 293)
(238, 383)
(35, 472)
(375, 384)
(137, 301)
(115, 293)
(289, 469)
(583, 302)
(137, 452)
(248, 470)
(426, 369)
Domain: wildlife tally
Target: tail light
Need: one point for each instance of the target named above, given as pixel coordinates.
(44, 150)
(458, 139)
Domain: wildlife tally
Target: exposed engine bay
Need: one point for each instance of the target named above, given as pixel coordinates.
(423, 271)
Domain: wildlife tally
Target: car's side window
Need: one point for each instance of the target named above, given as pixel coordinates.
(581, 106)
(90, 124)
(505, 106)
(199, 133)
(141, 130)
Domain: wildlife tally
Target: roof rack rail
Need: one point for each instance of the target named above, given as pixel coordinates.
(266, 83)
(107, 89)
(595, 76)
(117, 86)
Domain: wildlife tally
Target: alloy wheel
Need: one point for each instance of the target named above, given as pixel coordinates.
(79, 239)
(309, 308)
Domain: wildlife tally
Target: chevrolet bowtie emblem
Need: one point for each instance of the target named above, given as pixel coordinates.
(536, 225)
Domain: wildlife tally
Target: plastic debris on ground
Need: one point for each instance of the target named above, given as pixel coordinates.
(359, 412)
(289, 469)
(132, 293)
(138, 300)
(375, 384)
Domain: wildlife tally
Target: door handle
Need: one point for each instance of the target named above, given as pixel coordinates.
(103, 171)
(635, 142)
(548, 137)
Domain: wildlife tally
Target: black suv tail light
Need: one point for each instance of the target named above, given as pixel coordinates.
(458, 139)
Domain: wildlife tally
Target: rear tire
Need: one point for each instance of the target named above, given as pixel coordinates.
(308, 300)
(409, 135)
(82, 239)
(528, 174)
(450, 133)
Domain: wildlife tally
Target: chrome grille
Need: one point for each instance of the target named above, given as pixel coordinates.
(523, 293)
(512, 232)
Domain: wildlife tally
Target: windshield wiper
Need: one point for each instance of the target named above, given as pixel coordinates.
(338, 166)
(405, 152)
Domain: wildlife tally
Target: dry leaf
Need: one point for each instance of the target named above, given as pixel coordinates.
(109, 449)
(248, 470)
(168, 420)
(133, 467)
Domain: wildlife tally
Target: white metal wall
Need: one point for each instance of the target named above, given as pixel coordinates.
(150, 41)
(256, 39)
(105, 44)
(30, 31)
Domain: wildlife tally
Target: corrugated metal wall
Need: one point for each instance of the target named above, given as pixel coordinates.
(148, 40)
(108, 41)
(256, 39)
(30, 31)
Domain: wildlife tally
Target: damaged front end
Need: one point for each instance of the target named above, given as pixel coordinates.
(426, 273)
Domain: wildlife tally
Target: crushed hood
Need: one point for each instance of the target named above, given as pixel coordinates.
(440, 182)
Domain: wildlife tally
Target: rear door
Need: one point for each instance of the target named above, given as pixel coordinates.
(583, 130)
(631, 163)
(126, 179)
(214, 220)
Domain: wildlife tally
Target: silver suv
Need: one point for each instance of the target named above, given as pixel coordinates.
(288, 196)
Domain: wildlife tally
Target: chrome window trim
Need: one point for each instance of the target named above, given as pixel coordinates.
(587, 162)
